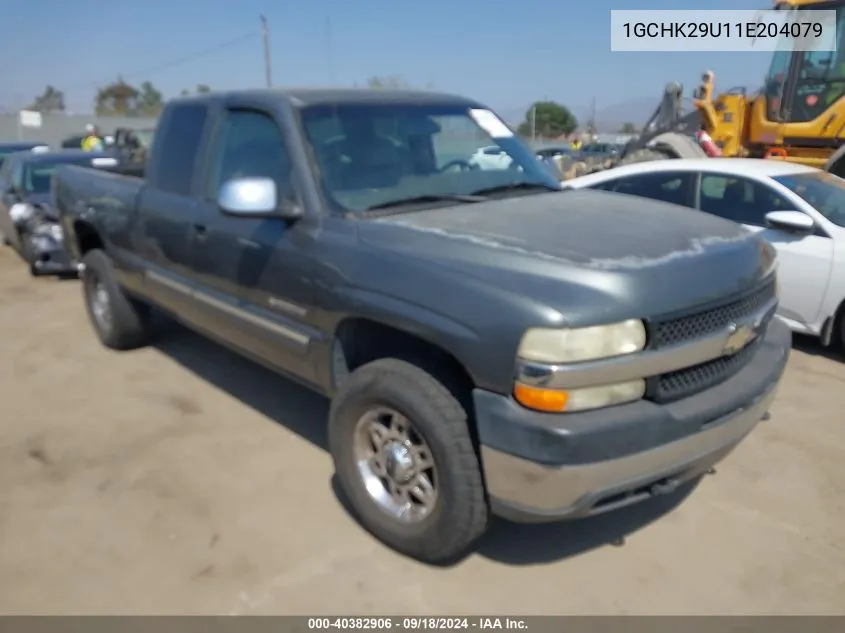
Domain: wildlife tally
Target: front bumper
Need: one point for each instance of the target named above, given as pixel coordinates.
(545, 467)
(49, 256)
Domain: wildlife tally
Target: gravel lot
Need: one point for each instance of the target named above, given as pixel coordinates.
(182, 479)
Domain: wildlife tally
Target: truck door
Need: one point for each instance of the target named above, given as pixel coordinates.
(249, 271)
(167, 208)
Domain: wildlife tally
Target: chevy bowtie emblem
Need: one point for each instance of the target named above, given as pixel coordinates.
(738, 337)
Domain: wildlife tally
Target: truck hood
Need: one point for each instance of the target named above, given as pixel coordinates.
(619, 255)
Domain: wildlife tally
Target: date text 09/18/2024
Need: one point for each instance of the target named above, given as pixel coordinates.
(726, 30)
(421, 623)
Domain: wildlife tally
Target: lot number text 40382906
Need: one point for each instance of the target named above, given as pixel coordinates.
(417, 623)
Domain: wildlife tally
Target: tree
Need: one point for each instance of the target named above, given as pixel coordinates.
(548, 119)
(628, 128)
(201, 90)
(150, 100)
(117, 99)
(51, 100)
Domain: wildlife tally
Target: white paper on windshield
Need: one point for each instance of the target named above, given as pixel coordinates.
(104, 162)
(490, 123)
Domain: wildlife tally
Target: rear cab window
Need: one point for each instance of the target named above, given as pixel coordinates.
(178, 148)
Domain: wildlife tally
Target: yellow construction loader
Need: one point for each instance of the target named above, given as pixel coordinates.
(798, 115)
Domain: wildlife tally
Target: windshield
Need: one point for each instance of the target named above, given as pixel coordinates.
(374, 155)
(5, 151)
(37, 175)
(145, 137)
(823, 191)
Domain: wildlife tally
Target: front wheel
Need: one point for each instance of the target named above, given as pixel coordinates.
(28, 254)
(120, 322)
(405, 459)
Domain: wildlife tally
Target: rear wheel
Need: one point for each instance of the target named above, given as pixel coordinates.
(119, 321)
(405, 460)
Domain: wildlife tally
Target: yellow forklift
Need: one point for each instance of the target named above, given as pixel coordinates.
(798, 115)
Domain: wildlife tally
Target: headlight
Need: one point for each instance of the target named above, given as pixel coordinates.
(578, 344)
(49, 230)
(566, 401)
(21, 212)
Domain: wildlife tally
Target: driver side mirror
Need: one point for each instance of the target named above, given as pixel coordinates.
(790, 221)
(256, 198)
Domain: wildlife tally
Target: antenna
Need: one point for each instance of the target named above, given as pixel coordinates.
(265, 32)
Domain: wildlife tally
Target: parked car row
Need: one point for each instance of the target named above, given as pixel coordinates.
(28, 220)
(494, 157)
(22, 146)
(490, 343)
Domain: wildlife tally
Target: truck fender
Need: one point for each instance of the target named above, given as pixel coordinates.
(438, 330)
(680, 145)
(836, 163)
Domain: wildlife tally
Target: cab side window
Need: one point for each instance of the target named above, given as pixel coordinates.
(180, 148)
(739, 199)
(674, 187)
(251, 145)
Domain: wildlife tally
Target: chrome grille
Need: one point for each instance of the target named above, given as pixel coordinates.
(691, 380)
(694, 326)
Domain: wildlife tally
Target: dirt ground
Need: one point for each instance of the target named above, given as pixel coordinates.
(182, 479)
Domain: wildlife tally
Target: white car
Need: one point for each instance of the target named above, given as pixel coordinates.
(492, 157)
(799, 210)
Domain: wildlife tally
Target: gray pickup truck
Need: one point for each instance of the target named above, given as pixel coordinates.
(490, 344)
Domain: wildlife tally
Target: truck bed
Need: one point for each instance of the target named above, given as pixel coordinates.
(79, 192)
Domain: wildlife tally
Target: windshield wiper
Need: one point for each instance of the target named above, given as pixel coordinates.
(520, 186)
(427, 198)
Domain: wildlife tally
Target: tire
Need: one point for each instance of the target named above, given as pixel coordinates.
(127, 324)
(459, 514)
(839, 329)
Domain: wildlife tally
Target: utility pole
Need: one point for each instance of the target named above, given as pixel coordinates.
(265, 32)
(533, 124)
(593, 118)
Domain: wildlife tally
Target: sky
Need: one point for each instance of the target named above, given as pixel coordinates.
(503, 53)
